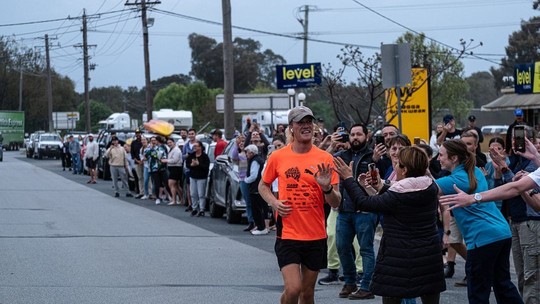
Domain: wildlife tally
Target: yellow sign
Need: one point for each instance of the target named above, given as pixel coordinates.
(414, 107)
(536, 77)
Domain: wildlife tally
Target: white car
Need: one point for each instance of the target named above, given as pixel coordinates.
(48, 144)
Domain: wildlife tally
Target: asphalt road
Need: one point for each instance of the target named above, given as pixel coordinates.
(64, 241)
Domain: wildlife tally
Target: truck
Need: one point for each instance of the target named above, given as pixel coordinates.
(267, 120)
(117, 121)
(179, 119)
(11, 129)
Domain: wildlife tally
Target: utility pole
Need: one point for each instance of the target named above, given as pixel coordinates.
(228, 69)
(85, 47)
(86, 79)
(304, 22)
(20, 85)
(49, 84)
(148, 83)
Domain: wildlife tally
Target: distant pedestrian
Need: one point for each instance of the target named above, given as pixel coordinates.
(198, 164)
(91, 155)
(136, 146)
(75, 151)
(119, 166)
(220, 143)
(155, 153)
(174, 165)
(253, 177)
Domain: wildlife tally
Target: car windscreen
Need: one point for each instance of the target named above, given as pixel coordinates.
(49, 138)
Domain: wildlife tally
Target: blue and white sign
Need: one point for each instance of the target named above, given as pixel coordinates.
(298, 75)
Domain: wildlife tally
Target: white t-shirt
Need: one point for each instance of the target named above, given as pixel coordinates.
(535, 176)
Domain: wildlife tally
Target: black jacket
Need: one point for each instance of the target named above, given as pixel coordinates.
(409, 262)
(365, 157)
(254, 186)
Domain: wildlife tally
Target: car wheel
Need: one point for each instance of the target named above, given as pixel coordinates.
(215, 210)
(232, 217)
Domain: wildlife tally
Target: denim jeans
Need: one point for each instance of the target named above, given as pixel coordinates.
(119, 172)
(362, 225)
(146, 180)
(75, 160)
(244, 188)
(197, 188)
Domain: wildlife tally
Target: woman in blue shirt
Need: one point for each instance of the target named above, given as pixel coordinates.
(484, 229)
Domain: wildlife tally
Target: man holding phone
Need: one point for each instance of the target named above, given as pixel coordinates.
(350, 223)
(449, 130)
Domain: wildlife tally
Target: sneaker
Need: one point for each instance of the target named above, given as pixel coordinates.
(116, 194)
(138, 196)
(341, 278)
(347, 290)
(462, 283)
(158, 201)
(188, 209)
(201, 213)
(330, 279)
(129, 195)
(361, 295)
(144, 197)
(194, 212)
(250, 227)
(259, 232)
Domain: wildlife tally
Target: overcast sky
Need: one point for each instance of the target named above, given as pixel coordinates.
(117, 32)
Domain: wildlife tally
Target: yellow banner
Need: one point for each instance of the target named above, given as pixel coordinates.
(414, 107)
(536, 76)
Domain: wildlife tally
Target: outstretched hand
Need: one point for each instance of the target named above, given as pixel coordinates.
(344, 170)
(460, 199)
(323, 176)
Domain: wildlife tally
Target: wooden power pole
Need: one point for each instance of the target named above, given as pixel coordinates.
(228, 69)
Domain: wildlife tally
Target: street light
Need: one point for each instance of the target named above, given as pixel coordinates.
(301, 98)
(292, 103)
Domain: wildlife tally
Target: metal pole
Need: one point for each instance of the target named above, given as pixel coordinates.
(20, 86)
(49, 84)
(148, 83)
(398, 89)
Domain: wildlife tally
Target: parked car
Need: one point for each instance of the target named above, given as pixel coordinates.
(49, 145)
(224, 194)
(31, 142)
(494, 129)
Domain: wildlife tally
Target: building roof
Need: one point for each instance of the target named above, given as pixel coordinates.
(512, 101)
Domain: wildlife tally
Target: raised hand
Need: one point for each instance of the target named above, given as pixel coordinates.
(345, 171)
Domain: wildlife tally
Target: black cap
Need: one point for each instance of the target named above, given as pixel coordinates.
(472, 118)
(137, 131)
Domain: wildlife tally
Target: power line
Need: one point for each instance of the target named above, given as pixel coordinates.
(413, 31)
(261, 31)
(58, 19)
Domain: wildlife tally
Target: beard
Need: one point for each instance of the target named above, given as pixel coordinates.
(356, 145)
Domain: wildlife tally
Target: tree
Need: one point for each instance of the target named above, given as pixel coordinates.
(523, 47)
(251, 66)
(482, 88)
(170, 97)
(98, 111)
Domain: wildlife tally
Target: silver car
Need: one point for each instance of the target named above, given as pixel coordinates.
(224, 188)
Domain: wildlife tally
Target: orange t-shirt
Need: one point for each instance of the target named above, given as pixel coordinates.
(300, 189)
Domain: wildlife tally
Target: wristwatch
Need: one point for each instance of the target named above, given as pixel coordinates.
(477, 198)
(447, 232)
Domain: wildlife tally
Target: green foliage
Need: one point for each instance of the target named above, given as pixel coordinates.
(449, 89)
(98, 111)
(482, 88)
(251, 66)
(195, 97)
(522, 48)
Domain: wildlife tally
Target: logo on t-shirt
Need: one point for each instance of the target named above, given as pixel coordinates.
(294, 173)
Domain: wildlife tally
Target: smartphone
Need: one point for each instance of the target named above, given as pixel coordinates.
(379, 139)
(271, 148)
(373, 173)
(519, 138)
(416, 141)
(254, 120)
